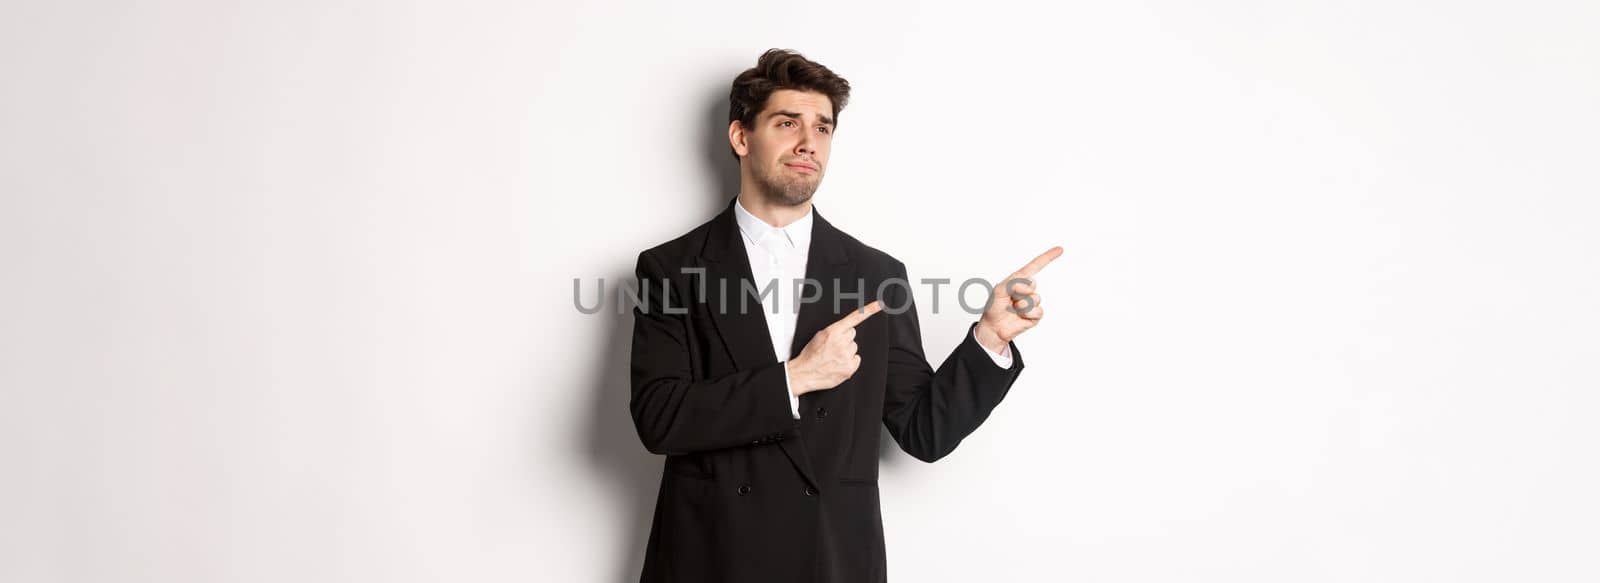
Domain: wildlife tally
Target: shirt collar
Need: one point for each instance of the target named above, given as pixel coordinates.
(754, 228)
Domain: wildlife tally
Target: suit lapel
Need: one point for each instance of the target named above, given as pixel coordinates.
(829, 266)
(745, 332)
(743, 328)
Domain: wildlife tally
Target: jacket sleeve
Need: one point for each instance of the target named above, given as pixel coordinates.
(927, 411)
(676, 413)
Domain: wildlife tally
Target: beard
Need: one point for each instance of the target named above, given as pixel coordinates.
(788, 188)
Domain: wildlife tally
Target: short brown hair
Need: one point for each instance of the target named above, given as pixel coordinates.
(782, 69)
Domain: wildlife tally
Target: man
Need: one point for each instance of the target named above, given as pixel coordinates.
(765, 398)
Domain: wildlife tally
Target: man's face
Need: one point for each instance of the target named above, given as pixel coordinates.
(785, 151)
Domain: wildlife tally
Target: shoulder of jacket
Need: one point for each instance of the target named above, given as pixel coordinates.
(869, 256)
(678, 250)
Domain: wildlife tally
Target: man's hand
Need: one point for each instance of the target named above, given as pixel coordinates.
(830, 357)
(1014, 307)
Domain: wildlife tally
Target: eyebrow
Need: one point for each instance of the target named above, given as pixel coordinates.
(785, 113)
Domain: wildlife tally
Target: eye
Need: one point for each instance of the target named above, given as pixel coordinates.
(825, 129)
(787, 121)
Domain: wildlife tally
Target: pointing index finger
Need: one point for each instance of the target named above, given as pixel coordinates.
(1039, 262)
(858, 316)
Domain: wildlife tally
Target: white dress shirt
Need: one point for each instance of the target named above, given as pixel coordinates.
(780, 254)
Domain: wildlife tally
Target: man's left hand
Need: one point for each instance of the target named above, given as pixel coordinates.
(1015, 306)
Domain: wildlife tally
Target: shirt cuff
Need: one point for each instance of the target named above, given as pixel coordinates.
(794, 402)
(1002, 360)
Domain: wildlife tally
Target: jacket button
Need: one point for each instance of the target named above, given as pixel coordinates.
(810, 491)
(822, 412)
(744, 489)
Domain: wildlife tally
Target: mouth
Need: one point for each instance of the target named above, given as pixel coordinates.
(803, 167)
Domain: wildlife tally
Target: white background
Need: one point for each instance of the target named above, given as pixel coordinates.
(287, 286)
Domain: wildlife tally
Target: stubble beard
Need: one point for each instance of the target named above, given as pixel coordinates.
(789, 190)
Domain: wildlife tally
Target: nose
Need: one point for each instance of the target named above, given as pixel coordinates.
(805, 146)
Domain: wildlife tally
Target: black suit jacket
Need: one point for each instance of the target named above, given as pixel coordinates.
(748, 493)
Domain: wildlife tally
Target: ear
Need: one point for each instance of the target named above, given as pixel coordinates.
(736, 138)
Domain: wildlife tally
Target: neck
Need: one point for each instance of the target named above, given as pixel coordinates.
(775, 214)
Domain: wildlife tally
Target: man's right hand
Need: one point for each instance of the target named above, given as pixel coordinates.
(830, 357)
